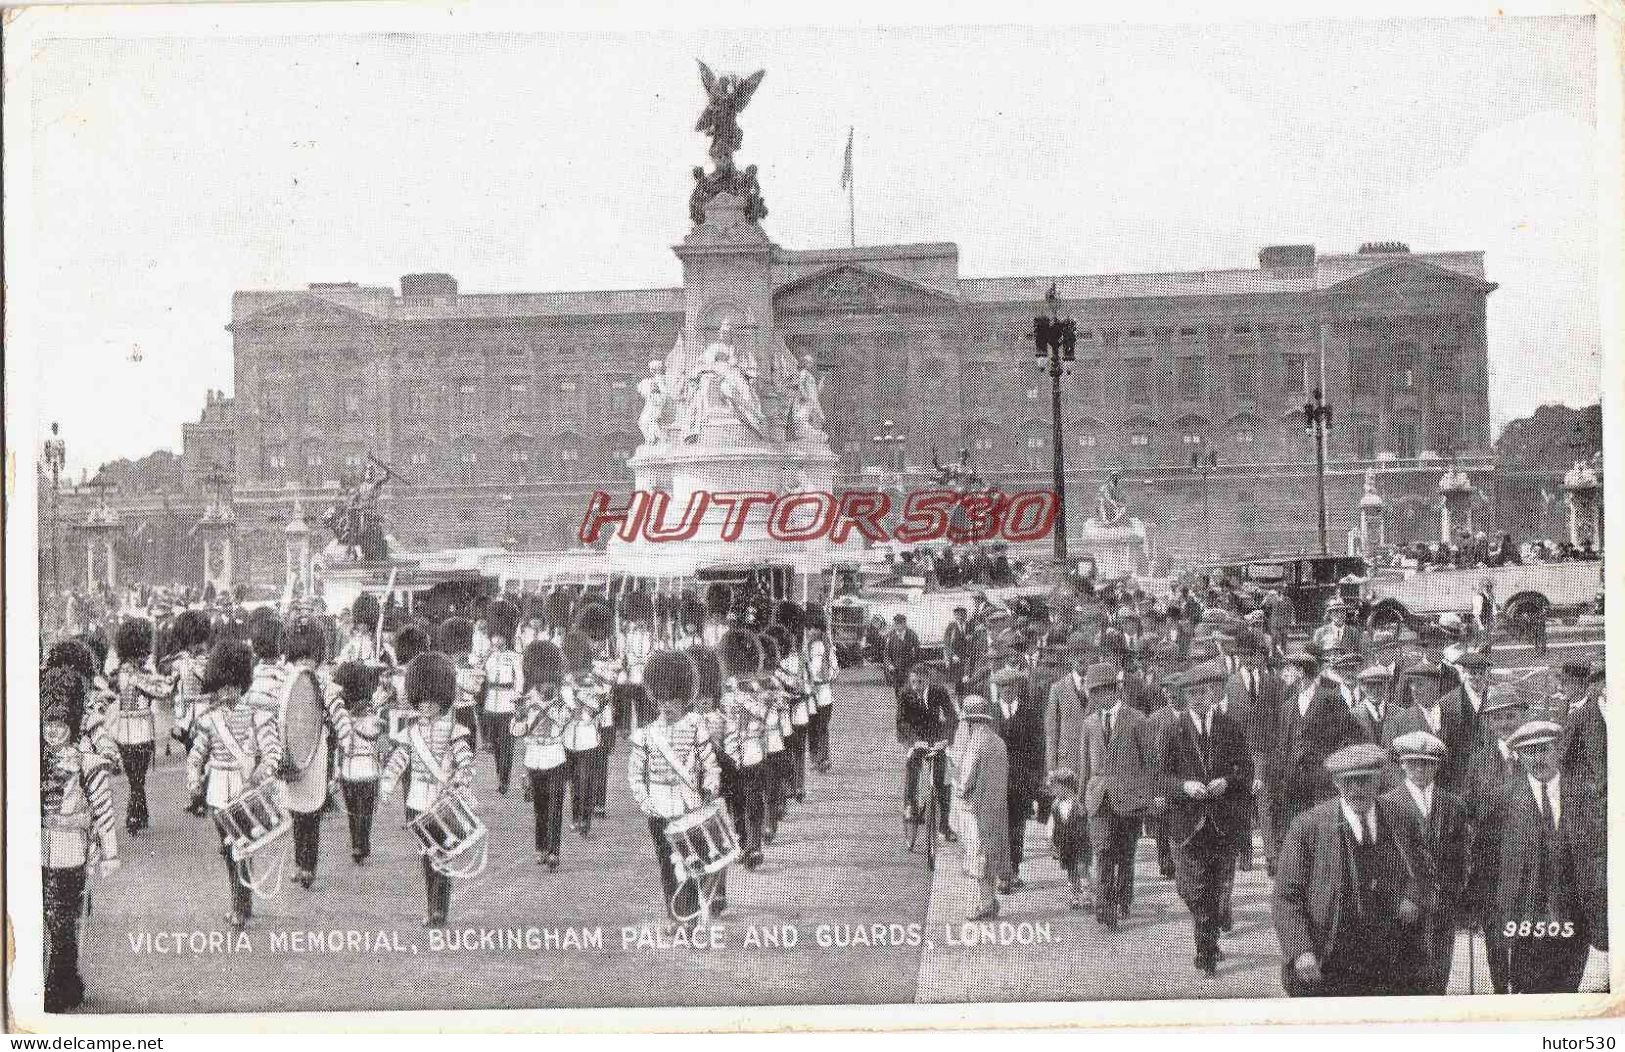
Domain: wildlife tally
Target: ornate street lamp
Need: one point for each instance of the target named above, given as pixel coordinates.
(1205, 465)
(1055, 342)
(56, 456)
(1317, 419)
(891, 438)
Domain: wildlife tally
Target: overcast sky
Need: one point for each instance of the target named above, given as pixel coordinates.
(172, 172)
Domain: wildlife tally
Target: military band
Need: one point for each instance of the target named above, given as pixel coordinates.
(1402, 792)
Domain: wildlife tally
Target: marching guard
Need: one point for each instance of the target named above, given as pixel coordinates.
(776, 768)
(76, 825)
(822, 668)
(308, 786)
(745, 715)
(361, 644)
(139, 693)
(438, 757)
(502, 670)
(360, 762)
(236, 746)
(539, 722)
(708, 706)
(583, 698)
(455, 639)
(192, 634)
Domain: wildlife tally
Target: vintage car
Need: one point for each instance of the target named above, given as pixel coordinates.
(1537, 590)
(1307, 580)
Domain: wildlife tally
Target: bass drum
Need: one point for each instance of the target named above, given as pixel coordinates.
(304, 741)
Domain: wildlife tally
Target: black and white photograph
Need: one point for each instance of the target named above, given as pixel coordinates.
(552, 514)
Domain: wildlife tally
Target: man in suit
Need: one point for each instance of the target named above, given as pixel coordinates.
(1372, 708)
(901, 652)
(1063, 716)
(1207, 772)
(1337, 636)
(1424, 682)
(1492, 766)
(1473, 670)
(1314, 723)
(1443, 819)
(1165, 721)
(1583, 750)
(1252, 699)
(956, 649)
(1540, 867)
(1021, 724)
(1484, 614)
(925, 717)
(1117, 766)
(1354, 889)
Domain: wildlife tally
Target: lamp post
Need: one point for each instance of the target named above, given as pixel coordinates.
(56, 455)
(1055, 343)
(1317, 418)
(1205, 465)
(508, 540)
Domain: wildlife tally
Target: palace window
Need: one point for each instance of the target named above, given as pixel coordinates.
(1241, 375)
(1032, 393)
(1245, 438)
(1139, 438)
(567, 387)
(1086, 441)
(419, 403)
(419, 459)
(1405, 439)
(1138, 382)
(1190, 439)
(352, 401)
(1362, 375)
(1295, 373)
(468, 406)
(518, 404)
(1192, 374)
(1086, 383)
(1188, 332)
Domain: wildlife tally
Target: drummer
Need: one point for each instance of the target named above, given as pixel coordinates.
(235, 747)
(438, 753)
(672, 770)
(308, 785)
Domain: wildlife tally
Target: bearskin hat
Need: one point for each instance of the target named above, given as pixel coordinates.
(192, 628)
(62, 694)
(707, 672)
(479, 607)
(133, 641)
(306, 640)
(770, 651)
(73, 654)
(665, 605)
(740, 653)
(669, 675)
(454, 636)
(718, 599)
(364, 611)
(595, 622)
(639, 608)
(789, 614)
(760, 607)
(782, 639)
(356, 682)
(535, 608)
(431, 677)
(816, 621)
(265, 634)
(230, 664)
(410, 642)
(558, 604)
(97, 642)
(542, 664)
(692, 613)
(503, 617)
(578, 651)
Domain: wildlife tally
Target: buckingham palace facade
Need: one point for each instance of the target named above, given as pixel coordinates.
(501, 412)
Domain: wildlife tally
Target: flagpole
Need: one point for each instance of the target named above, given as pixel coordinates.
(852, 210)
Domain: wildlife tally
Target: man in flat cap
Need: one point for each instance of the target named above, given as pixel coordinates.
(1314, 723)
(1443, 819)
(1422, 685)
(1372, 709)
(1252, 698)
(1473, 668)
(1020, 722)
(1117, 767)
(1207, 775)
(1583, 750)
(1540, 867)
(1354, 889)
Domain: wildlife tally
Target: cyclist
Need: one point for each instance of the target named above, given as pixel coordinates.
(926, 717)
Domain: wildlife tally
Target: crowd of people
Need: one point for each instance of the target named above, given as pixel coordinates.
(1400, 792)
(1475, 551)
(723, 695)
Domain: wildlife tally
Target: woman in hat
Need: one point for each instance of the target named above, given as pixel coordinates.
(981, 777)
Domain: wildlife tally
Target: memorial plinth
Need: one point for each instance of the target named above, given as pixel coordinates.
(1119, 550)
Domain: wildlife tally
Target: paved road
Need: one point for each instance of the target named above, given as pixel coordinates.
(839, 879)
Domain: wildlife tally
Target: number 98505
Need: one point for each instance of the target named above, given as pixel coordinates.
(1538, 930)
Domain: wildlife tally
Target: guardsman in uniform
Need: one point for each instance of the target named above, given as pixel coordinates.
(1583, 751)
(439, 753)
(708, 707)
(822, 667)
(360, 762)
(637, 642)
(361, 643)
(791, 679)
(672, 770)
(192, 632)
(539, 723)
(584, 698)
(308, 789)
(1443, 820)
(139, 693)
(502, 687)
(777, 765)
(1207, 775)
(1354, 889)
(455, 639)
(77, 656)
(1315, 722)
(1540, 867)
(76, 822)
(744, 741)
(236, 745)
(596, 621)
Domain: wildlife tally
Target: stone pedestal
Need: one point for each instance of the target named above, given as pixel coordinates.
(102, 529)
(1372, 533)
(1121, 550)
(219, 527)
(1455, 504)
(1584, 500)
(297, 555)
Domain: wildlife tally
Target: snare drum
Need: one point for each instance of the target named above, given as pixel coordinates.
(703, 841)
(253, 821)
(449, 830)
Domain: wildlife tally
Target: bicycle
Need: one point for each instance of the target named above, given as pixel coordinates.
(929, 818)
